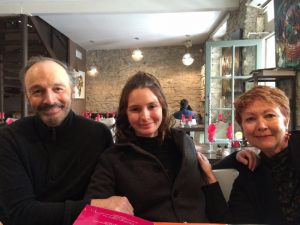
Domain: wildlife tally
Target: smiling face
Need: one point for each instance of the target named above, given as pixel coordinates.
(144, 112)
(265, 127)
(48, 90)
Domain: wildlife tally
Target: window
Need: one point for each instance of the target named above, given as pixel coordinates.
(270, 57)
(270, 10)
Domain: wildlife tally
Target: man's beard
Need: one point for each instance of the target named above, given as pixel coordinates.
(52, 121)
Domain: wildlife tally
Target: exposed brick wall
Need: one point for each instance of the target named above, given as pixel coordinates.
(116, 66)
(177, 80)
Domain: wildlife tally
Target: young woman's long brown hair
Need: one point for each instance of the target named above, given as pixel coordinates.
(124, 132)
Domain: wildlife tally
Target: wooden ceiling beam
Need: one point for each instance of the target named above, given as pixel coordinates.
(44, 36)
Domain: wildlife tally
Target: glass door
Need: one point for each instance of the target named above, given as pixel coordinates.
(228, 65)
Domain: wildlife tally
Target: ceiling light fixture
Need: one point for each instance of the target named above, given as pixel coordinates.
(187, 58)
(137, 54)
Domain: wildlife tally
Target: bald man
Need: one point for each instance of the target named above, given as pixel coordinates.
(47, 159)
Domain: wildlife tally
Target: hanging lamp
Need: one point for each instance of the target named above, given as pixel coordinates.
(137, 54)
(187, 58)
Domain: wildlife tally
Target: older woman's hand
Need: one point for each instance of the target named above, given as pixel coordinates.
(206, 167)
(248, 158)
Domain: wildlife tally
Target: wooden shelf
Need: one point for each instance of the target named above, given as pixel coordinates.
(272, 74)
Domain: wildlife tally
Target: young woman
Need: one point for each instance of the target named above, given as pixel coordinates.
(154, 165)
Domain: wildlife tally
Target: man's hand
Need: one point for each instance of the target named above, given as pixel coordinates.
(248, 158)
(116, 203)
(206, 167)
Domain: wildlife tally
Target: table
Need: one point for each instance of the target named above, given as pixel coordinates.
(197, 132)
(166, 223)
(213, 156)
(198, 127)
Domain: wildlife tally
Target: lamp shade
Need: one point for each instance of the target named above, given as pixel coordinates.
(137, 55)
(187, 59)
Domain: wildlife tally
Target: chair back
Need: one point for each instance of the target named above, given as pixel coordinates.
(226, 178)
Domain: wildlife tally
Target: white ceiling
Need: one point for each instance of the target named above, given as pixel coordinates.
(114, 24)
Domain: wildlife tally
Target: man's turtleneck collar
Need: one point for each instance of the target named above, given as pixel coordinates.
(53, 133)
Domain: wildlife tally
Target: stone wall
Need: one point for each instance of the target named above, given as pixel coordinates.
(178, 81)
(246, 19)
(116, 66)
(250, 19)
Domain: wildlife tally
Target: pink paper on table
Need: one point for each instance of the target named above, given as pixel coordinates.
(95, 215)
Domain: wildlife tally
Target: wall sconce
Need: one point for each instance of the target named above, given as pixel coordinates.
(93, 71)
(137, 54)
(187, 58)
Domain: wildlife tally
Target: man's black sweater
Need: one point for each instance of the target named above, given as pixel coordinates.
(44, 171)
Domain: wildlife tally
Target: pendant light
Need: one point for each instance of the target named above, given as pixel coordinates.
(187, 58)
(137, 54)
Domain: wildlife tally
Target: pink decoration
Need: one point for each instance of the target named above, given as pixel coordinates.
(9, 121)
(220, 117)
(235, 144)
(182, 118)
(229, 131)
(211, 132)
(98, 117)
(190, 117)
(107, 114)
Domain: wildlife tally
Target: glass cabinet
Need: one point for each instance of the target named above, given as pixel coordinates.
(228, 65)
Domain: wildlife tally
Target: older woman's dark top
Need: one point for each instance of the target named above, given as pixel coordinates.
(270, 194)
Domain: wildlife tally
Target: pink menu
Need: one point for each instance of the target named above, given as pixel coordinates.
(95, 215)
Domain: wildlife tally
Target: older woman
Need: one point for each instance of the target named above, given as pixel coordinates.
(271, 193)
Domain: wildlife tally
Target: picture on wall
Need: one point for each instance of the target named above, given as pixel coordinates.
(287, 32)
(79, 77)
